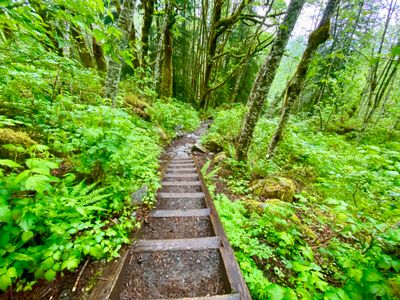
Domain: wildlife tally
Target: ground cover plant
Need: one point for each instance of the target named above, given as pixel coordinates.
(73, 169)
(335, 236)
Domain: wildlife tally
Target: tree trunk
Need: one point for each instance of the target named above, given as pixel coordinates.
(166, 64)
(83, 51)
(317, 37)
(148, 6)
(124, 24)
(99, 56)
(218, 27)
(265, 77)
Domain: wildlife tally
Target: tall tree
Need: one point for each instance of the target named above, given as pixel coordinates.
(124, 24)
(219, 26)
(148, 6)
(265, 77)
(317, 37)
(166, 67)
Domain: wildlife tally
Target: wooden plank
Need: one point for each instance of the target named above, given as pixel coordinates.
(173, 175)
(184, 168)
(181, 183)
(167, 195)
(232, 268)
(184, 160)
(217, 297)
(203, 243)
(181, 164)
(177, 213)
(181, 171)
(103, 288)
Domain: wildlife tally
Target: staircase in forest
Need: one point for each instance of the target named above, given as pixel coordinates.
(182, 251)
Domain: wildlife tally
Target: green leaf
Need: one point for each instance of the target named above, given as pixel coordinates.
(71, 263)
(47, 263)
(5, 214)
(5, 282)
(372, 276)
(299, 267)
(396, 50)
(26, 236)
(275, 292)
(27, 221)
(11, 272)
(39, 183)
(9, 163)
(50, 275)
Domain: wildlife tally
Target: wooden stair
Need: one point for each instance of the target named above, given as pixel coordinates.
(182, 252)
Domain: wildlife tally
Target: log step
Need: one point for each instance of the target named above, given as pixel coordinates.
(218, 297)
(177, 213)
(197, 195)
(181, 183)
(178, 165)
(173, 175)
(203, 243)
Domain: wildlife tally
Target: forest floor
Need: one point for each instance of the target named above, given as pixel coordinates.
(80, 283)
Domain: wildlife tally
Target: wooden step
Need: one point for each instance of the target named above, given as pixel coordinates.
(218, 297)
(177, 213)
(197, 195)
(180, 183)
(173, 175)
(191, 168)
(182, 159)
(188, 164)
(177, 244)
(181, 171)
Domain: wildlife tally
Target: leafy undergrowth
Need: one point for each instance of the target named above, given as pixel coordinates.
(70, 167)
(338, 239)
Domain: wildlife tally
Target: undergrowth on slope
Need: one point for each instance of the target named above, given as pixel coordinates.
(338, 239)
(73, 170)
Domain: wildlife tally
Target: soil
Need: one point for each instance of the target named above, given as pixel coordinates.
(61, 287)
(174, 274)
(181, 204)
(177, 228)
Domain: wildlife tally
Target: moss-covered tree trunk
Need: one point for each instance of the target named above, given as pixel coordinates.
(166, 66)
(265, 77)
(317, 37)
(124, 24)
(148, 6)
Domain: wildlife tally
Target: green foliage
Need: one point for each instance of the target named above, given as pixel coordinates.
(174, 116)
(339, 239)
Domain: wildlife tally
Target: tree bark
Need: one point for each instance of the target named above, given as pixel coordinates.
(124, 24)
(317, 37)
(83, 51)
(148, 6)
(265, 77)
(166, 64)
(99, 56)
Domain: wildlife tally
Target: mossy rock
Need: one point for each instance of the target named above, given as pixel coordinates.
(274, 188)
(254, 206)
(213, 146)
(219, 158)
(10, 136)
(163, 135)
